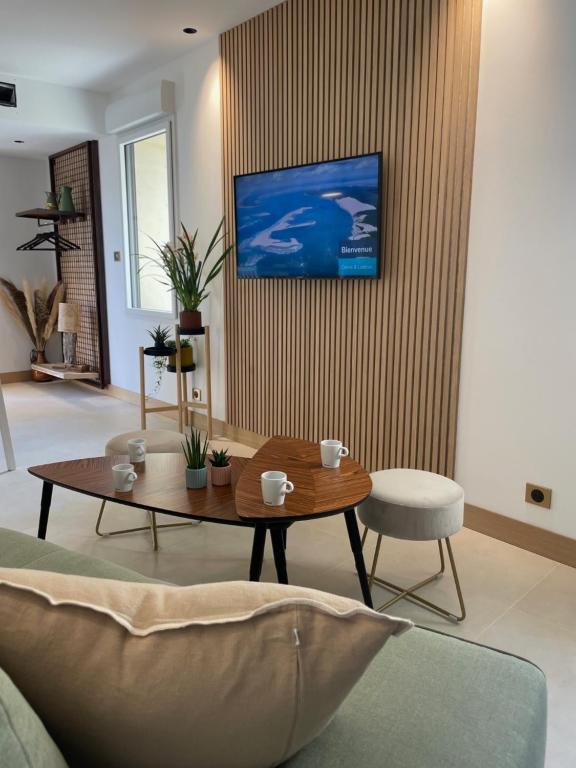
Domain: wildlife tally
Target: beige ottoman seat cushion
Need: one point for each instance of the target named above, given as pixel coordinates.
(413, 504)
(228, 675)
(157, 441)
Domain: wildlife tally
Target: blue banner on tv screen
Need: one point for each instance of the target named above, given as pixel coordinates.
(320, 220)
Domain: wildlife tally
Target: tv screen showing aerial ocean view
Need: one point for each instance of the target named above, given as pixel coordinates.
(319, 220)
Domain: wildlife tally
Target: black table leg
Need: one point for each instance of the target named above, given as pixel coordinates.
(356, 545)
(278, 543)
(257, 559)
(45, 509)
(285, 537)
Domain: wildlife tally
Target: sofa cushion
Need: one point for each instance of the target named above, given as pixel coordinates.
(435, 701)
(24, 741)
(237, 674)
(18, 550)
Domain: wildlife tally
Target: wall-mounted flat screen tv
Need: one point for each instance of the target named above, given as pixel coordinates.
(316, 220)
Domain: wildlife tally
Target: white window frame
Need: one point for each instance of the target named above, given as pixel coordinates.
(131, 261)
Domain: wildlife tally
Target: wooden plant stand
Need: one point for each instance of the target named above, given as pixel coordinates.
(183, 405)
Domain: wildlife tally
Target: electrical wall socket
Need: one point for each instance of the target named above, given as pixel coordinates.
(538, 495)
(197, 394)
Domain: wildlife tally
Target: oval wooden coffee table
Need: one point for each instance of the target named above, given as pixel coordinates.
(161, 488)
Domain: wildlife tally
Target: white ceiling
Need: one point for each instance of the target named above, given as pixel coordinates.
(103, 44)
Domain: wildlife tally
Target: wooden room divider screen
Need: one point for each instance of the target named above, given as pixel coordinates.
(374, 363)
(83, 270)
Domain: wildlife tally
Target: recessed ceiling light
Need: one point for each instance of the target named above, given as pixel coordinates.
(189, 31)
(18, 141)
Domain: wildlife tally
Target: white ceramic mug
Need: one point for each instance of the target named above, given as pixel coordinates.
(123, 476)
(275, 486)
(332, 451)
(137, 450)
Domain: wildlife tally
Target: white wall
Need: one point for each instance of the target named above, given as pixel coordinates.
(49, 117)
(22, 185)
(518, 393)
(198, 185)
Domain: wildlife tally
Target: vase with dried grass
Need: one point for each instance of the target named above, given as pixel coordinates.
(36, 311)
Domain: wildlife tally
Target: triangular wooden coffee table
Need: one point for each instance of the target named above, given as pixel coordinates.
(161, 488)
(318, 492)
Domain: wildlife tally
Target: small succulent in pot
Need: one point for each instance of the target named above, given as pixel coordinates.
(195, 450)
(159, 336)
(186, 353)
(221, 472)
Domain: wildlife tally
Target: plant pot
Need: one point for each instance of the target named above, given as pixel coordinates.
(38, 356)
(221, 475)
(186, 355)
(196, 478)
(191, 319)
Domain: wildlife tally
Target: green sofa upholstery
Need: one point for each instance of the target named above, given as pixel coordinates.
(427, 701)
(24, 742)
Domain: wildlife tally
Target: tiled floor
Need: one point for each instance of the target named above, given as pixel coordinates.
(516, 600)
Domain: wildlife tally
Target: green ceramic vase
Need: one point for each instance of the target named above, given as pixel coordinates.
(66, 203)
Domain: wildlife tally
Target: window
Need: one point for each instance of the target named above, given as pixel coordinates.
(148, 211)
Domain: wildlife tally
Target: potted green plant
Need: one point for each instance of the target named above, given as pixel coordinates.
(186, 353)
(221, 470)
(160, 352)
(183, 269)
(195, 450)
(159, 336)
(36, 312)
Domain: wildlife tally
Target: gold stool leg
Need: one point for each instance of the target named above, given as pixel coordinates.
(154, 531)
(100, 518)
(375, 561)
(409, 593)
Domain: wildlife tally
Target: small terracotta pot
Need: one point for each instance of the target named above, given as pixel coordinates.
(191, 319)
(221, 475)
(39, 357)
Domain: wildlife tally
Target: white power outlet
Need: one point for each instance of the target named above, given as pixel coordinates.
(197, 394)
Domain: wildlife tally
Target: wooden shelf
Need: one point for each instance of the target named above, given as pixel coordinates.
(58, 371)
(49, 214)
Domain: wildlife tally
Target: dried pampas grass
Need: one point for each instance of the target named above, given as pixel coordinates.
(35, 311)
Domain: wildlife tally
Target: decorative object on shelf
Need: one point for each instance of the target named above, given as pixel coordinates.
(52, 200)
(65, 201)
(184, 271)
(186, 354)
(68, 326)
(159, 352)
(159, 336)
(195, 450)
(221, 471)
(36, 312)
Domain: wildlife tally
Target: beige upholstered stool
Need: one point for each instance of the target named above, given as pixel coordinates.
(157, 441)
(418, 506)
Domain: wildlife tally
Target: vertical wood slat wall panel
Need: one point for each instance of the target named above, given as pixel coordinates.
(375, 363)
